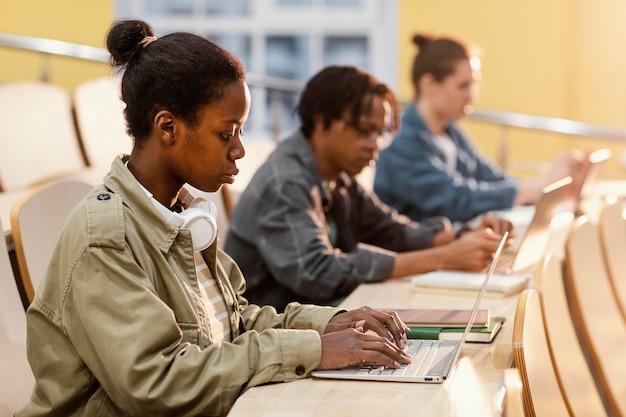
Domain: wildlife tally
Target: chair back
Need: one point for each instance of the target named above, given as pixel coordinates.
(39, 141)
(541, 392)
(100, 120)
(597, 318)
(513, 394)
(36, 223)
(612, 226)
(16, 377)
(574, 375)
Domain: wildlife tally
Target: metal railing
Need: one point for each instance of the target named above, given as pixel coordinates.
(279, 86)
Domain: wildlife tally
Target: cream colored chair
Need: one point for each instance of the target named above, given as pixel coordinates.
(595, 313)
(541, 391)
(39, 141)
(512, 398)
(37, 221)
(99, 112)
(613, 238)
(575, 377)
(16, 378)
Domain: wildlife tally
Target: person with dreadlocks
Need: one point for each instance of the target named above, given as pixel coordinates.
(304, 229)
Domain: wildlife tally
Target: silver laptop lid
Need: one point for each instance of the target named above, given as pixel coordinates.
(535, 239)
(481, 293)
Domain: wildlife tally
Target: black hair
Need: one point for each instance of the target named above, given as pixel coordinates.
(180, 72)
(337, 89)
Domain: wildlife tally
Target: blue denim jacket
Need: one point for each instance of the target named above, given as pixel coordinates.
(412, 176)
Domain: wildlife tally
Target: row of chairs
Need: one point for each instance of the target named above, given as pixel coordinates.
(50, 133)
(570, 328)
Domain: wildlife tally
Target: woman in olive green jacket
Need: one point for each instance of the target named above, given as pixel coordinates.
(140, 314)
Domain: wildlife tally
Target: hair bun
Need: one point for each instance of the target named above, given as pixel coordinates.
(421, 40)
(126, 38)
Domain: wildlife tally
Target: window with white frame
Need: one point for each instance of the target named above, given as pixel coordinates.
(283, 38)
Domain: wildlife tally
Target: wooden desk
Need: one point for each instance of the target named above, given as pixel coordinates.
(470, 391)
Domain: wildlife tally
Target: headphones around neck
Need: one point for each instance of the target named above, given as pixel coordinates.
(199, 216)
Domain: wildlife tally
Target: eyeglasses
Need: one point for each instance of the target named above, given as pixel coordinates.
(379, 138)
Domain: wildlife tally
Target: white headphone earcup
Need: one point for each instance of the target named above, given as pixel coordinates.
(199, 218)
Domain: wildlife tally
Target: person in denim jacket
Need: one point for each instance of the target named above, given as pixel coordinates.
(431, 168)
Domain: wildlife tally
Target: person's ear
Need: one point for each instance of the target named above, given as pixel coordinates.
(427, 82)
(165, 126)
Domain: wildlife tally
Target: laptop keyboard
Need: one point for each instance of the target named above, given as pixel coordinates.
(422, 352)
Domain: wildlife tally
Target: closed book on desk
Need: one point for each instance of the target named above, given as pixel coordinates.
(501, 285)
(477, 334)
(434, 317)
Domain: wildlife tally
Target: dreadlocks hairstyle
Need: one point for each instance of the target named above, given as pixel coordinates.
(337, 89)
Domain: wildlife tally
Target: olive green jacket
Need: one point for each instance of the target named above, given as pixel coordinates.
(119, 328)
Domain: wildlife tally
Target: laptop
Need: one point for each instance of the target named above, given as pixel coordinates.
(530, 244)
(581, 196)
(433, 360)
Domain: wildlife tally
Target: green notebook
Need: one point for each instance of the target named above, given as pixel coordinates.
(477, 334)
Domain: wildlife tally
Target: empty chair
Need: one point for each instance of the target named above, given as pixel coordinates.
(513, 395)
(100, 120)
(541, 391)
(39, 140)
(613, 238)
(37, 221)
(16, 378)
(575, 377)
(595, 313)
(7, 201)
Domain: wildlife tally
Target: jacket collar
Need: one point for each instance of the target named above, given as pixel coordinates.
(121, 181)
(298, 145)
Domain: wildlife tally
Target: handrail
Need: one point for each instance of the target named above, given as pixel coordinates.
(95, 54)
(551, 124)
(502, 118)
(54, 47)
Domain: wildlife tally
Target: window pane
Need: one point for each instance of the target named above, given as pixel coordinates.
(237, 44)
(343, 3)
(287, 57)
(228, 8)
(290, 3)
(167, 7)
(346, 50)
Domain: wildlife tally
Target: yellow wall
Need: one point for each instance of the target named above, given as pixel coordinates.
(556, 58)
(80, 21)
